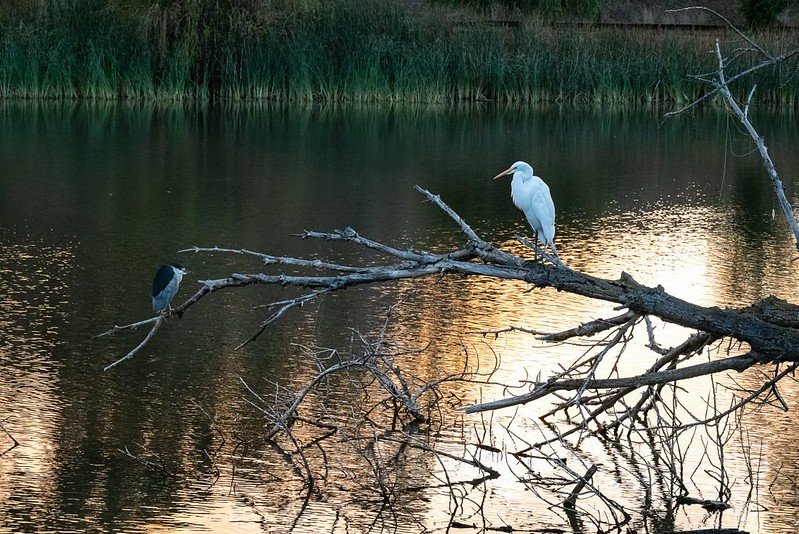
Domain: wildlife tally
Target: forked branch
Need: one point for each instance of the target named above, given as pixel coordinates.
(769, 328)
(720, 82)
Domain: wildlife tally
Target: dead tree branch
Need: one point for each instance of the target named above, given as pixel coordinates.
(769, 327)
(377, 358)
(720, 83)
(729, 24)
(158, 466)
(734, 363)
(158, 322)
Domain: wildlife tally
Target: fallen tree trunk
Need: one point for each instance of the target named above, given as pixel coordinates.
(768, 327)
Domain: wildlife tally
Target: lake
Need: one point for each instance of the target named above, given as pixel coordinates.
(93, 198)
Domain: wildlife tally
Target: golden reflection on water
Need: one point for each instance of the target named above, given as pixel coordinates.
(686, 249)
(682, 248)
(217, 184)
(33, 291)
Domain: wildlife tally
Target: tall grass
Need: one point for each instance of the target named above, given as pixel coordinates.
(345, 50)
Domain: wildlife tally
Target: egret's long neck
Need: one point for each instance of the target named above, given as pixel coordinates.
(517, 190)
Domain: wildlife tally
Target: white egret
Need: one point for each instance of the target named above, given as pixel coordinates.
(531, 195)
(165, 285)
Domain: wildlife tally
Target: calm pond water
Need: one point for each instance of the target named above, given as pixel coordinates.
(94, 198)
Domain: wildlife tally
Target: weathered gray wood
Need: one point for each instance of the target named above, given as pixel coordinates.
(770, 341)
(650, 378)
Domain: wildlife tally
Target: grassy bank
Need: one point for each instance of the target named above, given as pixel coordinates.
(348, 50)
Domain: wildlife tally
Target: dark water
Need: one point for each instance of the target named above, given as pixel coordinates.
(94, 198)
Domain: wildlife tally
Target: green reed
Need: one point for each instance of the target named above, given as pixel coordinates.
(347, 50)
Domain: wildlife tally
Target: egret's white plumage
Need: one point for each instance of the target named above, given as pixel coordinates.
(531, 195)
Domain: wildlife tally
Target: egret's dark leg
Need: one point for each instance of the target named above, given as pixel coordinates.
(530, 263)
(555, 252)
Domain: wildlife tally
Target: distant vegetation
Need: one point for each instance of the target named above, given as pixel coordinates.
(762, 13)
(345, 50)
(543, 8)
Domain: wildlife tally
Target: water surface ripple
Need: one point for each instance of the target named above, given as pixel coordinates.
(94, 198)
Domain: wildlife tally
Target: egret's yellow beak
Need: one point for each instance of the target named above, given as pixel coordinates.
(505, 173)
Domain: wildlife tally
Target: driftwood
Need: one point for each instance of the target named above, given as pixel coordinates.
(768, 328)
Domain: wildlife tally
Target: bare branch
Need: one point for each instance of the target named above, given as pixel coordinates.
(474, 462)
(590, 328)
(729, 24)
(571, 501)
(158, 322)
(455, 217)
(268, 259)
(131, 326)
(761, 145)
(743, 74)
(369, 361)
(735, 363)
(285, 305)
(348, 234)
(768, 385)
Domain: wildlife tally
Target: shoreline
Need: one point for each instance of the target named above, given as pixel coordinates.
(361, 51)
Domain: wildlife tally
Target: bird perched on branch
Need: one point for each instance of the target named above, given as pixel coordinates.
(531, 195)
(165, 286)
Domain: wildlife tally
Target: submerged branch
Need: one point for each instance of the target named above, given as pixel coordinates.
(14, 442)
(734, 363)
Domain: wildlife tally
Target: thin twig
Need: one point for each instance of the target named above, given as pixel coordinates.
(158, 322)
(131, 326)
(268, 259)
(285, 306)
(741, 34)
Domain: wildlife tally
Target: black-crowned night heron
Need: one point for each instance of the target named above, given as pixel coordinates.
(165, 285)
